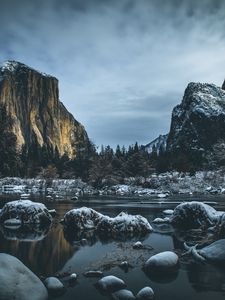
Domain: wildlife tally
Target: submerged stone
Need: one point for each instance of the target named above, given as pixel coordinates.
(123, 295)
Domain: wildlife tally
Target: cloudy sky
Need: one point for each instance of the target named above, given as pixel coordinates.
(122, 64)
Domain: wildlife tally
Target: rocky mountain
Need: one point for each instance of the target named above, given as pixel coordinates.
(39, 118)
(157, 145)
(198, 123)
(223, 86)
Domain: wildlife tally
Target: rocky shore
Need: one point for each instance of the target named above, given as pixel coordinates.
(157, 185)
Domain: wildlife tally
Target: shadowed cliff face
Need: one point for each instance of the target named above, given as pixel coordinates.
(32, 100)
(223, 86)
(198, 122)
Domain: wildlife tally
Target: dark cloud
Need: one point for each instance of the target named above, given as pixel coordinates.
(122, 64)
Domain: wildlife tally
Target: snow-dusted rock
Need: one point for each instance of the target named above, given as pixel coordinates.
(164, 261)
(123, 295)
(18, 282)
(146, 293)
(86, 218)
(54, 286)
(168, 211)
(26, 211)
(194, 215)
(138, 245)
(161, 220)
(124, 223)
(162, 195)
(111, 283)
(83, 218)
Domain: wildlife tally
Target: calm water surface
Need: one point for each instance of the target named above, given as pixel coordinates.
(53, 252)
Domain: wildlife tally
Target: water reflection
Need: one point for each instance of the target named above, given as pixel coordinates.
(92, 236)
(44, 257)
(206, 277)
(162, 277)
(29, 233)
(56, 251)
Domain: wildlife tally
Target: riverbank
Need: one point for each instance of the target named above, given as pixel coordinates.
(160, 185)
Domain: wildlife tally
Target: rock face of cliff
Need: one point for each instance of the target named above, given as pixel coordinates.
(223, 86)
(198, 123)
(31, 99)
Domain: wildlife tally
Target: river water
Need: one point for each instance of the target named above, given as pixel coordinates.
(54, 253)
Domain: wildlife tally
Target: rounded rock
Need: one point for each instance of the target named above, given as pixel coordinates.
(123, 295)
(111, 283)
(164, 261)
(18, 282)
(54, 286)
(146, 293)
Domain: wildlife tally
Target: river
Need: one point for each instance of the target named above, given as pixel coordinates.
(53, 253)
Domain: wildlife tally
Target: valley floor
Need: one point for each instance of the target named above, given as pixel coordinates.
(160, 185)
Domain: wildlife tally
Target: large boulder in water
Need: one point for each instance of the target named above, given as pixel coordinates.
(124, 223)
(214, 252)
(165, 261)
(194, 214)
(83, 218)
(88, 219)
(18, 282)
(26, 211)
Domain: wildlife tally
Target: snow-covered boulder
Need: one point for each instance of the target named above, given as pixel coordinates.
(165, 261)
(26, 211)
(123, 295)
(82, 218)
(168, 211)
(194, 215)
(18, 282)
(110, 284)
(54, 286)
(146, 293)
(124, 223)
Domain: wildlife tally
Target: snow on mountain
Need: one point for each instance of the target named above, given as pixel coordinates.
(198, 122)
(157, 144)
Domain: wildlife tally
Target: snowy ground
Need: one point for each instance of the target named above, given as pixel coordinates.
(160, 185)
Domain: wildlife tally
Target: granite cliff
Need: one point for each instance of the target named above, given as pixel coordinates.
(39, 118)
(198, 124)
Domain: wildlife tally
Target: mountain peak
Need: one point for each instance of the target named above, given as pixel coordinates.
(223, 86)
(39, 118)
(13, 66)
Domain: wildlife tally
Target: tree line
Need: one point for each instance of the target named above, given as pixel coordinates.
(96, 166)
